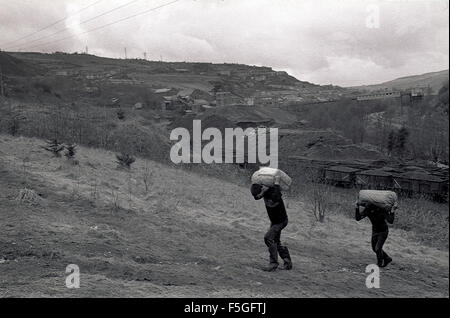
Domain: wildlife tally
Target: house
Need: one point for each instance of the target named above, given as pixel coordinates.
(162, 90)
(201, 102)
(198, 104)
(375, 179)
(420, 182)
(62, 73)
(224, 73)
(249, 101)
(264, 101)
(259, 78)
(340, 175)
(185, 93)
(174, 103)
(205, 107)
(254, 123)
(125, 81)
(227, 99)
(93, 76)
(199, 94)
(292, 98)
(91, 89)
(376, 96)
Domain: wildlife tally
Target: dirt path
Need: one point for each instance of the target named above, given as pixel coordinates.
(183, 238)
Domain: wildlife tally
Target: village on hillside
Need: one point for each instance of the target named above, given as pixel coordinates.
(244, 96)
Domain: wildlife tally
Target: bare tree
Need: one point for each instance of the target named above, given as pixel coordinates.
(147, 176)
(317, 194)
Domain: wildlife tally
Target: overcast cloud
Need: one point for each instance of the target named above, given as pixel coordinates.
(324, 42)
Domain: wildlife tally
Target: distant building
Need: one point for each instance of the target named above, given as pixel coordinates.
(93, 76)
(125, 81)
(62, 73)
(264, 101)
(198, 104)
(262, 123)
(185, 93)
(227, 99)
(292, 98)
(162, 90)
(173, 103)
(201, 102)
(224, 73)
(199, 94)
(249, 101)
(375, 96)
(259, 78)
(340, 175)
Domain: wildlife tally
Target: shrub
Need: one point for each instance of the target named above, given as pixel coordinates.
(121, 114)
(54, 147)
(70, 151)
(125, 160)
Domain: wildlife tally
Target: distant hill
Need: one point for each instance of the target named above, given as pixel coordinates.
(240, 79)
(435, 80)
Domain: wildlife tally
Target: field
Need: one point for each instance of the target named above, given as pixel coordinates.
(187, 235)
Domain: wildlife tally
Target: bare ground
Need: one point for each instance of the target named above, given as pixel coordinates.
(188, 236)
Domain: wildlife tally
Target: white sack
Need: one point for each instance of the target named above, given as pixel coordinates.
(266, 176)
(382, 199)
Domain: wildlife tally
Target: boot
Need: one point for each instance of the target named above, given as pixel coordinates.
(379, 258)
(273, 252)
(284, 254)
(287, 264)
(271, 267)
(386, 261)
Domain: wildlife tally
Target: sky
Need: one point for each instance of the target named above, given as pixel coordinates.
(339, 42)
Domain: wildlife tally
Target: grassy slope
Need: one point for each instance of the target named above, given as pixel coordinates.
(188, 236)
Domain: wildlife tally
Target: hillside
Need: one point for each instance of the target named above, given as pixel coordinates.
(88, 71)
(17, 67)
(189, 235)
(435, 80)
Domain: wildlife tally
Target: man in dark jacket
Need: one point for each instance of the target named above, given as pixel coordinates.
(278, 219)
(380, 229)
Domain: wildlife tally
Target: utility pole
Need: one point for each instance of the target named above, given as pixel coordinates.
(87, 50)
(2, 90)
(126, 53)
(145, 55)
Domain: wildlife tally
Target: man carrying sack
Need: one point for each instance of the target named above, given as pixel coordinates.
(278, 219)
(379, 207)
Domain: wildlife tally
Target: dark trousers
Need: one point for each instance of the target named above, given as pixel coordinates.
(378, 240)
(273, 242)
